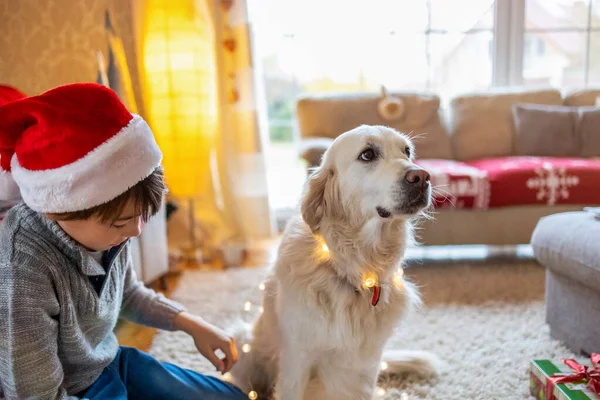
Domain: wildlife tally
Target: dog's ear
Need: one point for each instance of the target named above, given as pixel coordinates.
(321, 198)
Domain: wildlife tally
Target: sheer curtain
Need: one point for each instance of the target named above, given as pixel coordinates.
(242, 150)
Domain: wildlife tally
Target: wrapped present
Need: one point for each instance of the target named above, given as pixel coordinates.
(565, 380)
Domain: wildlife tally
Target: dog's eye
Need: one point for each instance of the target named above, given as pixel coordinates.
(407, 151)
(367, 155)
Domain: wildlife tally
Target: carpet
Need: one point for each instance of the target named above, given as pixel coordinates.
(486, 322)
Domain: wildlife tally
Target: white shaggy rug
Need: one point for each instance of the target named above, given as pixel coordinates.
(484, 321)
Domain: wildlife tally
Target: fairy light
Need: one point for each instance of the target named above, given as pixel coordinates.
(322, 250)
(370, 282)
(398, 277)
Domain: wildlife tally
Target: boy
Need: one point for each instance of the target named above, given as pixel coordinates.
(89, 175)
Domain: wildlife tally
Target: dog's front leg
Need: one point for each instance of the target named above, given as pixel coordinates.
(294, 372)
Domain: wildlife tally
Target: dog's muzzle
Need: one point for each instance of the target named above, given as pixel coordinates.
(414, 191)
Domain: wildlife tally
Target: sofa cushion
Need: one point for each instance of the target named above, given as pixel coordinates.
(456, 184)
(541, 180)
(567, 243)
(589, 131)
(546, 131)
(331, 115)
(582, 97)
(481, 125)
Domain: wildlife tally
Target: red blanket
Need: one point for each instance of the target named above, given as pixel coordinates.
(512, 181)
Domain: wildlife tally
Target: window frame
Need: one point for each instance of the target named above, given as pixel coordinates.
(509, 38)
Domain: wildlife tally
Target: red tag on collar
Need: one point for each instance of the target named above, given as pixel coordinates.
(376, 295)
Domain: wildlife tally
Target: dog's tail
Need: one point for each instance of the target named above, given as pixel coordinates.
(422, 363)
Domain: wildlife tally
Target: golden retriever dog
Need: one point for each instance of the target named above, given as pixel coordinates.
(336, 291)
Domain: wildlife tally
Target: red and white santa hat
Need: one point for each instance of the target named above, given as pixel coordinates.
(73, 148)
(9, 93)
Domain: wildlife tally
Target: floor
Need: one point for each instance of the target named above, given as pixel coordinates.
(484, 320)
(141, 337)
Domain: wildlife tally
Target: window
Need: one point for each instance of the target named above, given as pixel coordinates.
(314, 46)
(567, 43)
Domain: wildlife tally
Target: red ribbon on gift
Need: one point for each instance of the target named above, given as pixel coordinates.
(581, 373)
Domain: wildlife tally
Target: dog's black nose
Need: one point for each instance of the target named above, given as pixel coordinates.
(417, 177)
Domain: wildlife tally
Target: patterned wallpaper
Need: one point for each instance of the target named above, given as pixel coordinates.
(45, 43)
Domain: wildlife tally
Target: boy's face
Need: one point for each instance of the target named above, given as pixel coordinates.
(97, 236)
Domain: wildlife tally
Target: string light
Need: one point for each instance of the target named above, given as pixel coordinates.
(399, 276)
(369, 282)
(322, 249)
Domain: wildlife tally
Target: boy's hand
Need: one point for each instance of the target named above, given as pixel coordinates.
(208, 339)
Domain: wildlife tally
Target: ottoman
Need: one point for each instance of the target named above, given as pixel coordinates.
(568, 245)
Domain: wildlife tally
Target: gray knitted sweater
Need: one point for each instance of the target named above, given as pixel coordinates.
(56, 332)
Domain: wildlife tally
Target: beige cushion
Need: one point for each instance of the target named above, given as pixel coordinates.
(481, 125)
(557, 131)
(332, 115)
(584, 97)
(546, 131)
(589, 131)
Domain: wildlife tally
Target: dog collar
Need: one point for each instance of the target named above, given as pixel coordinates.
(376, 295)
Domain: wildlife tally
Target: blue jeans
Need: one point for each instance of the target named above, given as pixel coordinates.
(136, 375)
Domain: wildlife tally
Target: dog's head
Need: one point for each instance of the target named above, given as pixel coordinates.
(366, 173)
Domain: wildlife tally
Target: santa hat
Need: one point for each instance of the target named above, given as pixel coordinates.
(8, 188)
(73, 148)
(9, 93)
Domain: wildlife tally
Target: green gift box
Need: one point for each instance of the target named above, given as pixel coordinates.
(539, 373)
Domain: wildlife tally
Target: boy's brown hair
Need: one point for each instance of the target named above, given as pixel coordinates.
(147, 196)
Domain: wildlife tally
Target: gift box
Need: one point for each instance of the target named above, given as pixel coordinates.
(565, 379)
